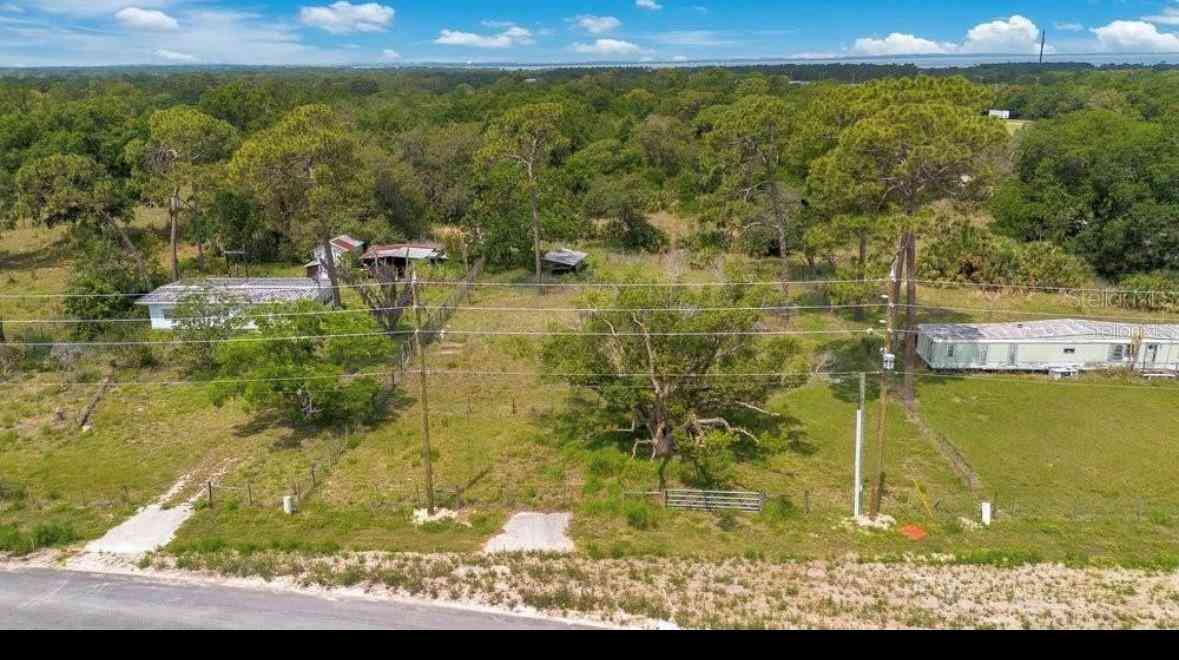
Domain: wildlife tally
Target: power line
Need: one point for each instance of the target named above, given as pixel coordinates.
(448, 372)
(474, 333)
(625, 285)
(1016, 312)
(558, 285)
(590, 310)
(1032, 287)
(636, 375)
(360, 310)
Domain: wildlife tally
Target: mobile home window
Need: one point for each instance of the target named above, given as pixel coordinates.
(1070, 351)
(950, 350)
(1117, 353)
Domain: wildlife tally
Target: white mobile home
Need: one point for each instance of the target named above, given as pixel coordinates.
(1048, 345)
(162, 302)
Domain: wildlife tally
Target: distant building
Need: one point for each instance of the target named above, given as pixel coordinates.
(401, 254)
(563, 261)
(162, 302)
(1000, 114)
(341, 245)
(1049, 345)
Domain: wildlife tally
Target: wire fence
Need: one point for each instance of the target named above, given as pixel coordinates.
(436, 318)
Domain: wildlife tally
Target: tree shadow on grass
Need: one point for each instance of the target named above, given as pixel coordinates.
(50, 256)
(586, 422)
(294, 435)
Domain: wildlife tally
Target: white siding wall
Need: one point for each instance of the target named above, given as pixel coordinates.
(160, 316)
(1031, 355)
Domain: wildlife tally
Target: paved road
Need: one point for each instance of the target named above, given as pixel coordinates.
(52, 599)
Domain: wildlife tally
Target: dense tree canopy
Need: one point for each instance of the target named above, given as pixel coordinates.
(501, 163)
(1103, 184)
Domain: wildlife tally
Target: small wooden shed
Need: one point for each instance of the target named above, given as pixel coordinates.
(400, 255)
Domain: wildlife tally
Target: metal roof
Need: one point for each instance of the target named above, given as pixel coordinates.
(1049, 329)
(565, 257)
(252, 290)
(414, 251)
(347, 243)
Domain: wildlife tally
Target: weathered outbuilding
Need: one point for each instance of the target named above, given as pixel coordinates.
(341, 245)
(1049, 345)
(238, 293)
(401, 254)
(563, 261)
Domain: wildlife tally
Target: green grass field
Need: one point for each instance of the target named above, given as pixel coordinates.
(1076, 472)
(1082, 469)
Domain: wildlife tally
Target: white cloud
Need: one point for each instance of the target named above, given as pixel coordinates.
(1070, 27)
(346, 18)
(146, 19)
(95, 7)
(1170, 16)
(608, 48)
(648, 4)
(1016, 34)
(175, 56)
(900, 44)
(210, 36)
(390, 55)
(513, 36)
(597, 24)
(1136, 36)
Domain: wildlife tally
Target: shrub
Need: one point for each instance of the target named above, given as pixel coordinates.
(639, 515)
(11, 491)
(50, 535)
(727, 521)
(780, 508)
(37, 353)
(963, 252)
(1154, 291)
(709, 463)
(606, 463)
(11, 540)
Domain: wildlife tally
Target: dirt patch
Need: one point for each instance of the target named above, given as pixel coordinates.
(534, 532)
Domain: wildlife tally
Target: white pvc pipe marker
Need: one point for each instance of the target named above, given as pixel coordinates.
(986, 514)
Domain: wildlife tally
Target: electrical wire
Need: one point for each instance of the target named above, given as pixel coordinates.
(443, 283)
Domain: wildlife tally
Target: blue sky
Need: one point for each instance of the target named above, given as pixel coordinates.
(97, 32)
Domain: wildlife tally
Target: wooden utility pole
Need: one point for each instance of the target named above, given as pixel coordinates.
(910, 338)
(425, 395)
(886, 365)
